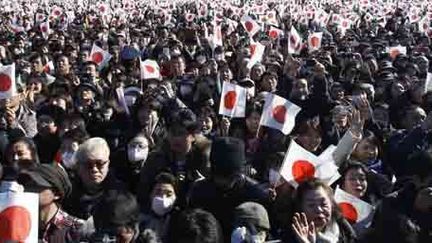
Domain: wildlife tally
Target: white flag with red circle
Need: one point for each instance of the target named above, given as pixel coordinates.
(56, 11)
(279, 113)
(353, 209)
(424, 24)
(189, 17)
(233, 100)
(99, 56)
(274, 33)
(103, 8)
(40, 17)
(271, 18)
(257, 52)
(250, 25)
(19, 217)
(149, 69)
(7, 82)
(314, 41)
(45, 29)
(294, 42)
(299, 165)
(49, 67)
(217, 36)
(395, 51)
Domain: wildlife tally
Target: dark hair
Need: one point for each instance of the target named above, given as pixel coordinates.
(253, 107)
(75, 120)
(314, 184)
(77, 135)
(195, 226)
(29, 143)
(184, 118)
(348, 165)
(166, 178)
(35, 56)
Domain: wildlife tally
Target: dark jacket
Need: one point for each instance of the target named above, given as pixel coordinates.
(163, 160)
(396, 220)
(221, 203)
(82, 202)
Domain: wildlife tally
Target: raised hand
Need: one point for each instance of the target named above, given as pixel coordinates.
(357, 123)
(304, 231)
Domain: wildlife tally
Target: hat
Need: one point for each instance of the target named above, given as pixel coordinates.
(87, 86)
(129, 53)
(50, 176)
(227, 155)
(251, 213)
(247, 82)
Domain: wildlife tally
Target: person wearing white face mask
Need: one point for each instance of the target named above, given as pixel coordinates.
(69, 145)
(162, 208)
(251, 223)
(128, 162)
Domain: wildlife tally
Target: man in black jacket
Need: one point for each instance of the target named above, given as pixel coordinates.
(228, 186)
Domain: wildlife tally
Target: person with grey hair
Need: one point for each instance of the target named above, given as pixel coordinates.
(94, 179)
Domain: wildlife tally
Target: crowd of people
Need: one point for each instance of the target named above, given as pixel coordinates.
(119, 157)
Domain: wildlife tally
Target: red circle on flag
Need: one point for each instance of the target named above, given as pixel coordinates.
(97, 57)
(44, 28)
(315, 41)
(349, 212)
(273, 34)
(303, 170)
(279, 113)
(56, 12)
(230, 99)
(252, 49)
(15, 224)
(102, 8)
(270, 15)
(293, 39)
(249, 26)
(149, 69)
(5, 82)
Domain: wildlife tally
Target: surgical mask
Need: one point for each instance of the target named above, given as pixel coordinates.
(68, 159)
(137, 154)
(130, 100)
(163, 205)
(175, 52)
(201, 59)
(219, 57)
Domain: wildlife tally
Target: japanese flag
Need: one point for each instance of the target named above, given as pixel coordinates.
(299, 165)
(250, 25)
(279, 113)
(49, 67)
(149, 69)
(189, 17)
(40, 17)
(203, 11)
(99, 56)
(271, 18)
(19, 217)
(314, 41)
(353, 209)
(233, 100)
(396, 51)
(56, 11)
(7, 82)
(103, 8)
(423, 24)
(294, 42)
(257, 52)
(274, 33)
(45, 29)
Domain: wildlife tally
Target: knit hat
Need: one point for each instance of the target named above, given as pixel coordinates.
(227, 155)
(251, 213)
(49, 176)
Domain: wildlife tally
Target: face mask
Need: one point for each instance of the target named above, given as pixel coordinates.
(219, 57)
(162, 205)
(175, 52)
(242, 234)
(68, 159)
(201, 59)
(137, 154)
(130, 100)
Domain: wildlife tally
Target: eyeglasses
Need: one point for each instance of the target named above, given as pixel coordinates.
(98, 163)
